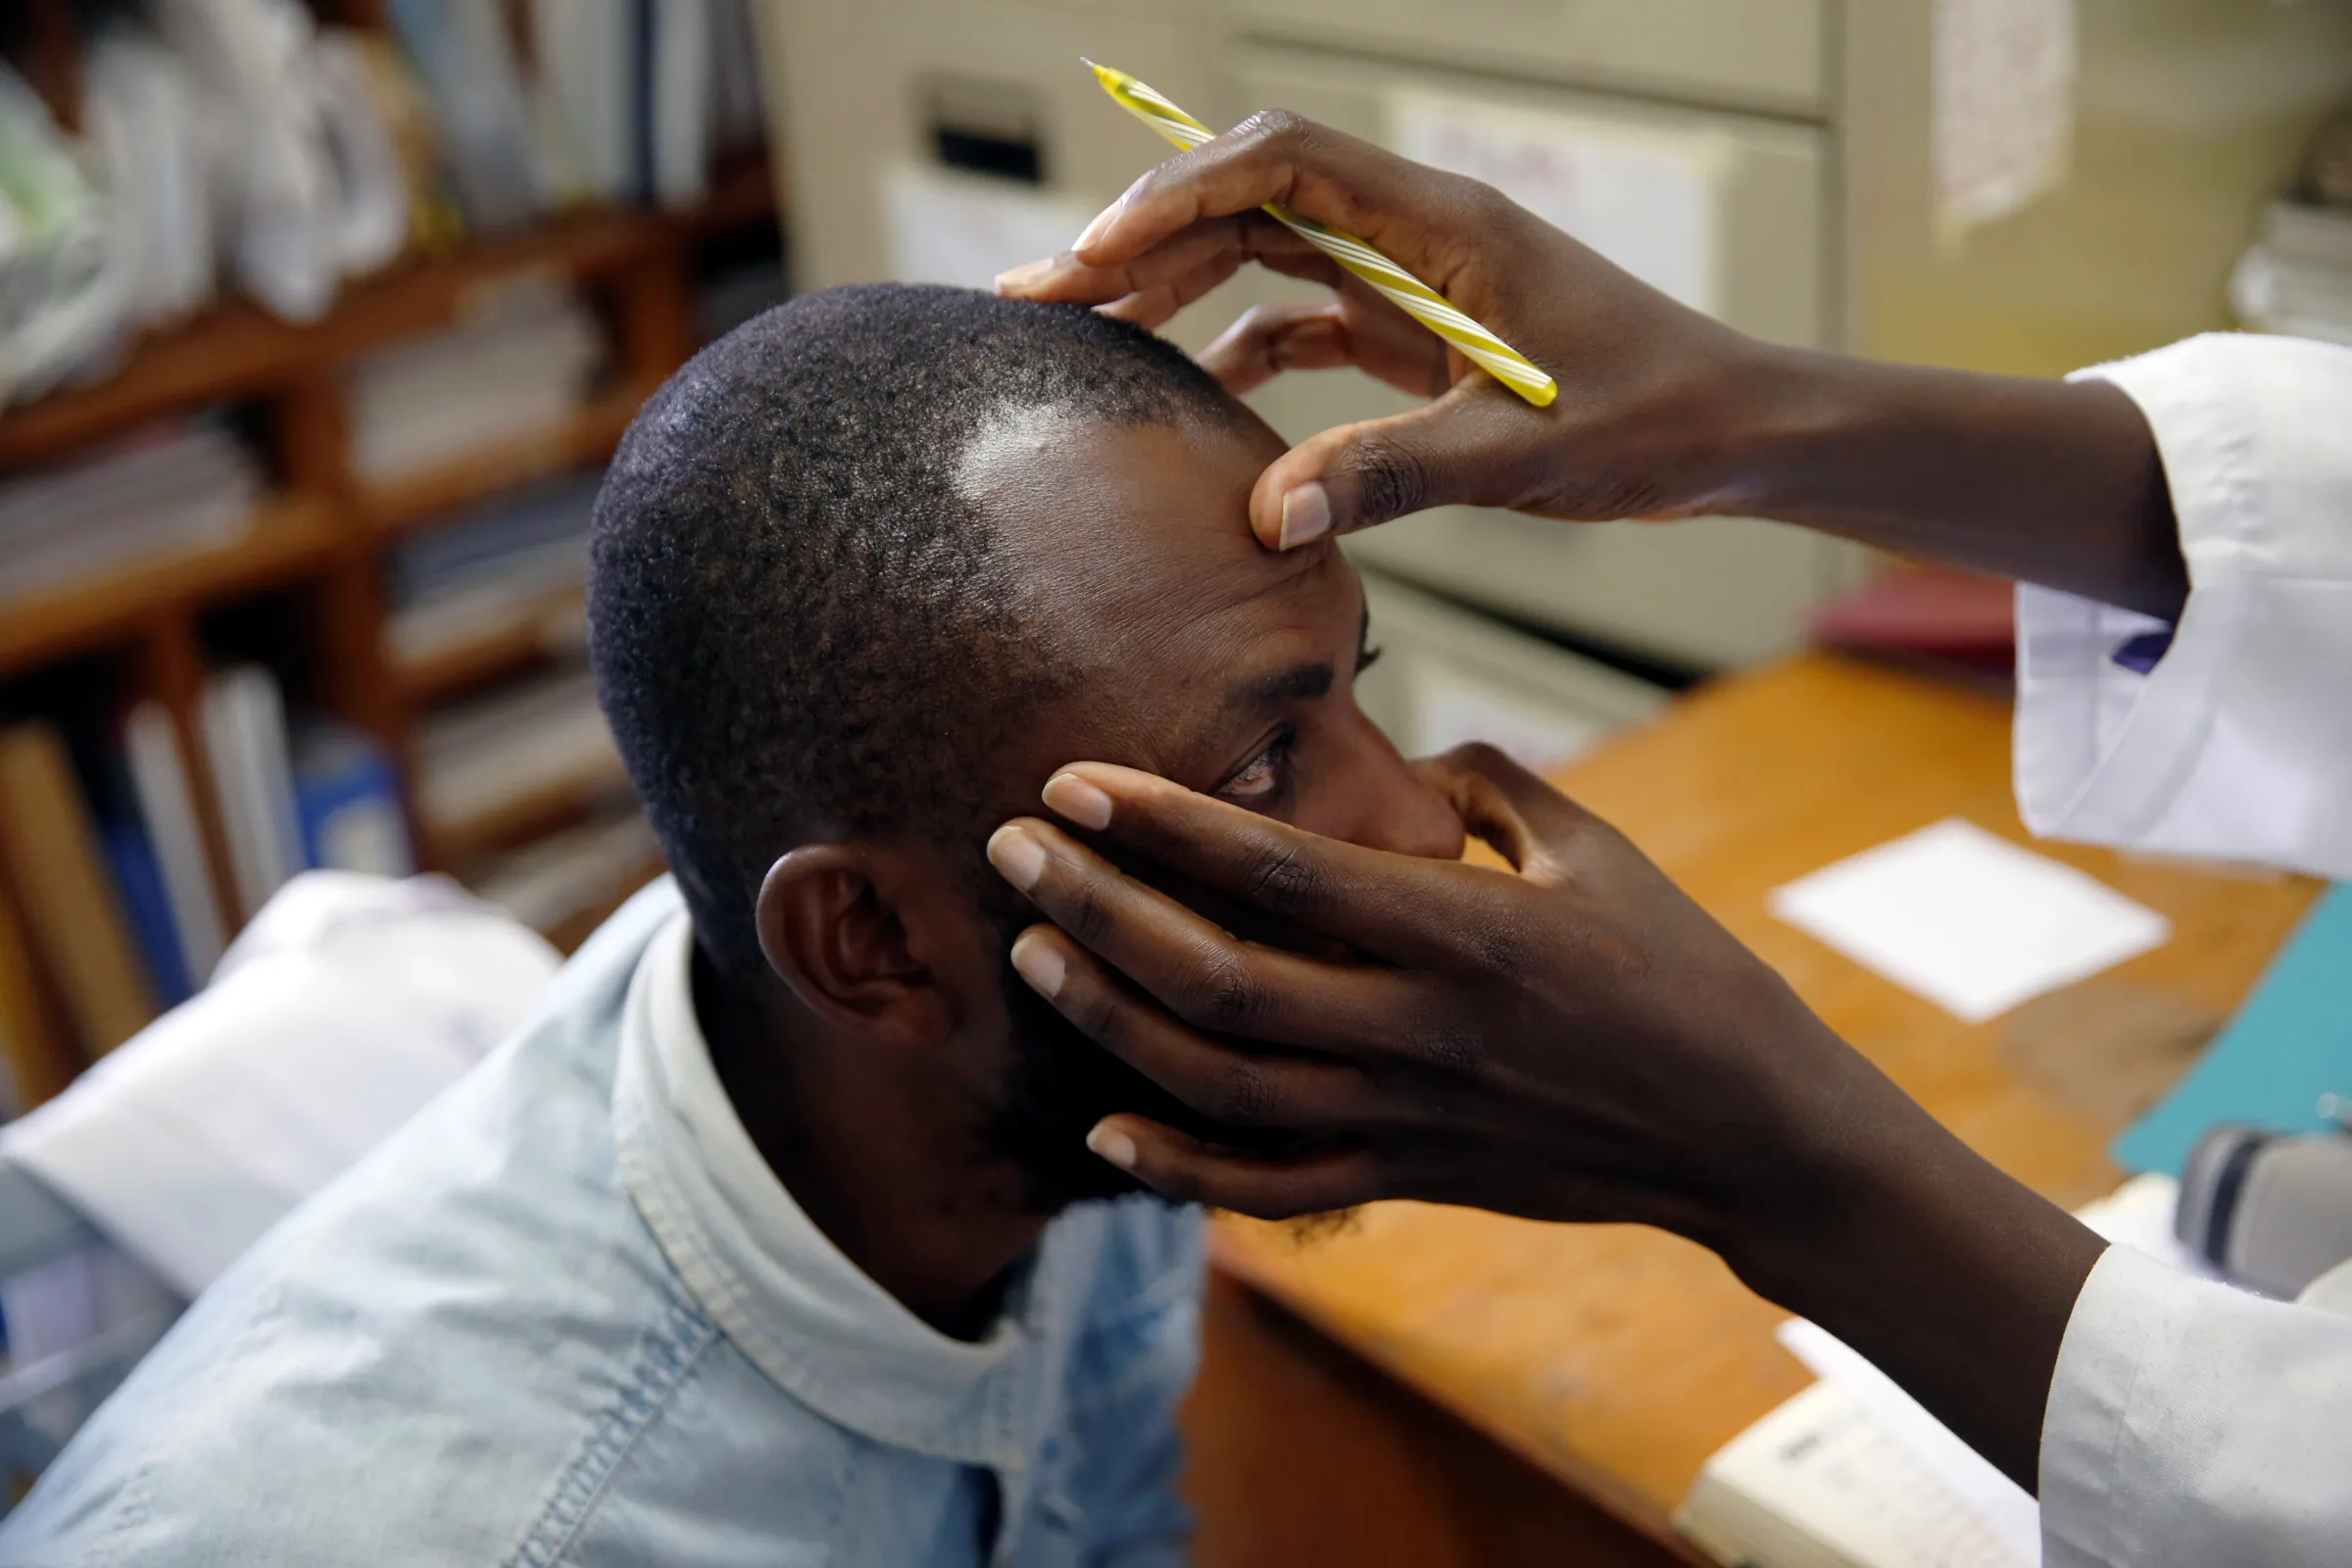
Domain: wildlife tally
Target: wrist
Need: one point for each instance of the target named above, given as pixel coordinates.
(1795, 421)
(1956, 1280)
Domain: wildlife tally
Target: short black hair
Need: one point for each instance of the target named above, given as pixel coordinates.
(799, 626)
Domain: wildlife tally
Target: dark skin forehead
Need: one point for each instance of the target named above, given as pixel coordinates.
(1133, 549)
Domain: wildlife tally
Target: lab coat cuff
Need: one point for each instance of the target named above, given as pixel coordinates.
(2129, 1317)
(2102, 749)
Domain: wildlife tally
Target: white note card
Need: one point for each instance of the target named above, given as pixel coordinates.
(947, 227)
(2002, 121)
(1645, 197)
(1967, 919)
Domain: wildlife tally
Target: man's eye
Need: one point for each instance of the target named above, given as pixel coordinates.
(1263, 775)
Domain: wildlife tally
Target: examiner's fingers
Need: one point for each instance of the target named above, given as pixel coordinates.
(1376, 338)
(1065, 280)
(1270, 339)
(1392, 906)
(1411, 214)
(1189, 1170)
(1479, 444)
(1206, 976)
(1231, 1088)
(1529, 823)
(1152, 309)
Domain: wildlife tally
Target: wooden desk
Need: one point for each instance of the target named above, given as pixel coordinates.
(1616, 1358)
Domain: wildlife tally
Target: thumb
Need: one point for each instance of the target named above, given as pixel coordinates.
(1465, 447)
(1516, 813)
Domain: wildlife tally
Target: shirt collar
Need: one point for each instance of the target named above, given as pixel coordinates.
(794, 1304)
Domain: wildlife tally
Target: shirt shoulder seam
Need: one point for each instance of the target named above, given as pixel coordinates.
(668, 1354)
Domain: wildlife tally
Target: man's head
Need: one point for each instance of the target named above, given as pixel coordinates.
(872, 566)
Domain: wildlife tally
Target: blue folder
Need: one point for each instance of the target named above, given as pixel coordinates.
(2288, 1046)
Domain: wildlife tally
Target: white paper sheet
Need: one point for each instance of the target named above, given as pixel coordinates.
(966, 228)
(2003, 116)
(1967, 919)
(1646, 198)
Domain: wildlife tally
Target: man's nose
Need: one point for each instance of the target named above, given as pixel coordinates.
(1393, 808)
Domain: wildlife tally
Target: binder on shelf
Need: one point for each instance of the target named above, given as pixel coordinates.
(465, 57)
(72, 905)
(348, 803)
(35, 1060)
(159, 785)
(245, 745)
(148, 907)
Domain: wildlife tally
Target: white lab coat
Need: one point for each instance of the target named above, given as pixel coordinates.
(2190, 1424)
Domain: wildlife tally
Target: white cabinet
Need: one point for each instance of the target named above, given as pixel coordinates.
(987, 106)
(1770, 54)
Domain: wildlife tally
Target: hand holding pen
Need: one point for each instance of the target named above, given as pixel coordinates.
(1636, 372)
(1661, 412)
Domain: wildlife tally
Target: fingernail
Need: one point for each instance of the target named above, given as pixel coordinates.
(1112, 1145)
(1026, 273)
(1018, 855)
(1102, 221)
(1306, 516)
(1040, 962)
(1075, 798)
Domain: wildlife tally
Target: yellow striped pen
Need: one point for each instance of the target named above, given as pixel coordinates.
(1400, 287)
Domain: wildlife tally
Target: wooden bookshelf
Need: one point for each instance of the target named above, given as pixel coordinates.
(536, 631)
(292, 537)
(236, 350)
(419, 499)
(530, 814)
(322, 538)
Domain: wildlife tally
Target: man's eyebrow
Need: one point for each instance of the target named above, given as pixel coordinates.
(1301, 683)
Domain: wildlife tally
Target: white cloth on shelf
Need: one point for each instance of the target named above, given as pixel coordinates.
(347, 1004)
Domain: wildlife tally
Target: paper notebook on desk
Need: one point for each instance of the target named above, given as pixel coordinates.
(1817, 1483)
(1854, 1473)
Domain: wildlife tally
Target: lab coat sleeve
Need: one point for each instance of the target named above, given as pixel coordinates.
(2239, 743)
(2192, 1424)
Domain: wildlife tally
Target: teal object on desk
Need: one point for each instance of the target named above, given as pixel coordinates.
(2290, 1044)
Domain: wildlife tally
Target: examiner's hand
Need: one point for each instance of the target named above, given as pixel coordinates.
(1646, 385)
(1577, 1042)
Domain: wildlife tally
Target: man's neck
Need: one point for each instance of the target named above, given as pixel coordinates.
(890, 1169)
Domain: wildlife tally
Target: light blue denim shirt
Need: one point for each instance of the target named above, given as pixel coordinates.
(567, 1316)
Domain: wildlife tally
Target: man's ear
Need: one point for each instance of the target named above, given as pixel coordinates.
(832, 935)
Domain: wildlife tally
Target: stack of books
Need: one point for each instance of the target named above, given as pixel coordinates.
(451, 116)
(494, 753)
(512, 568)
(175, 487)
(520, 366)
